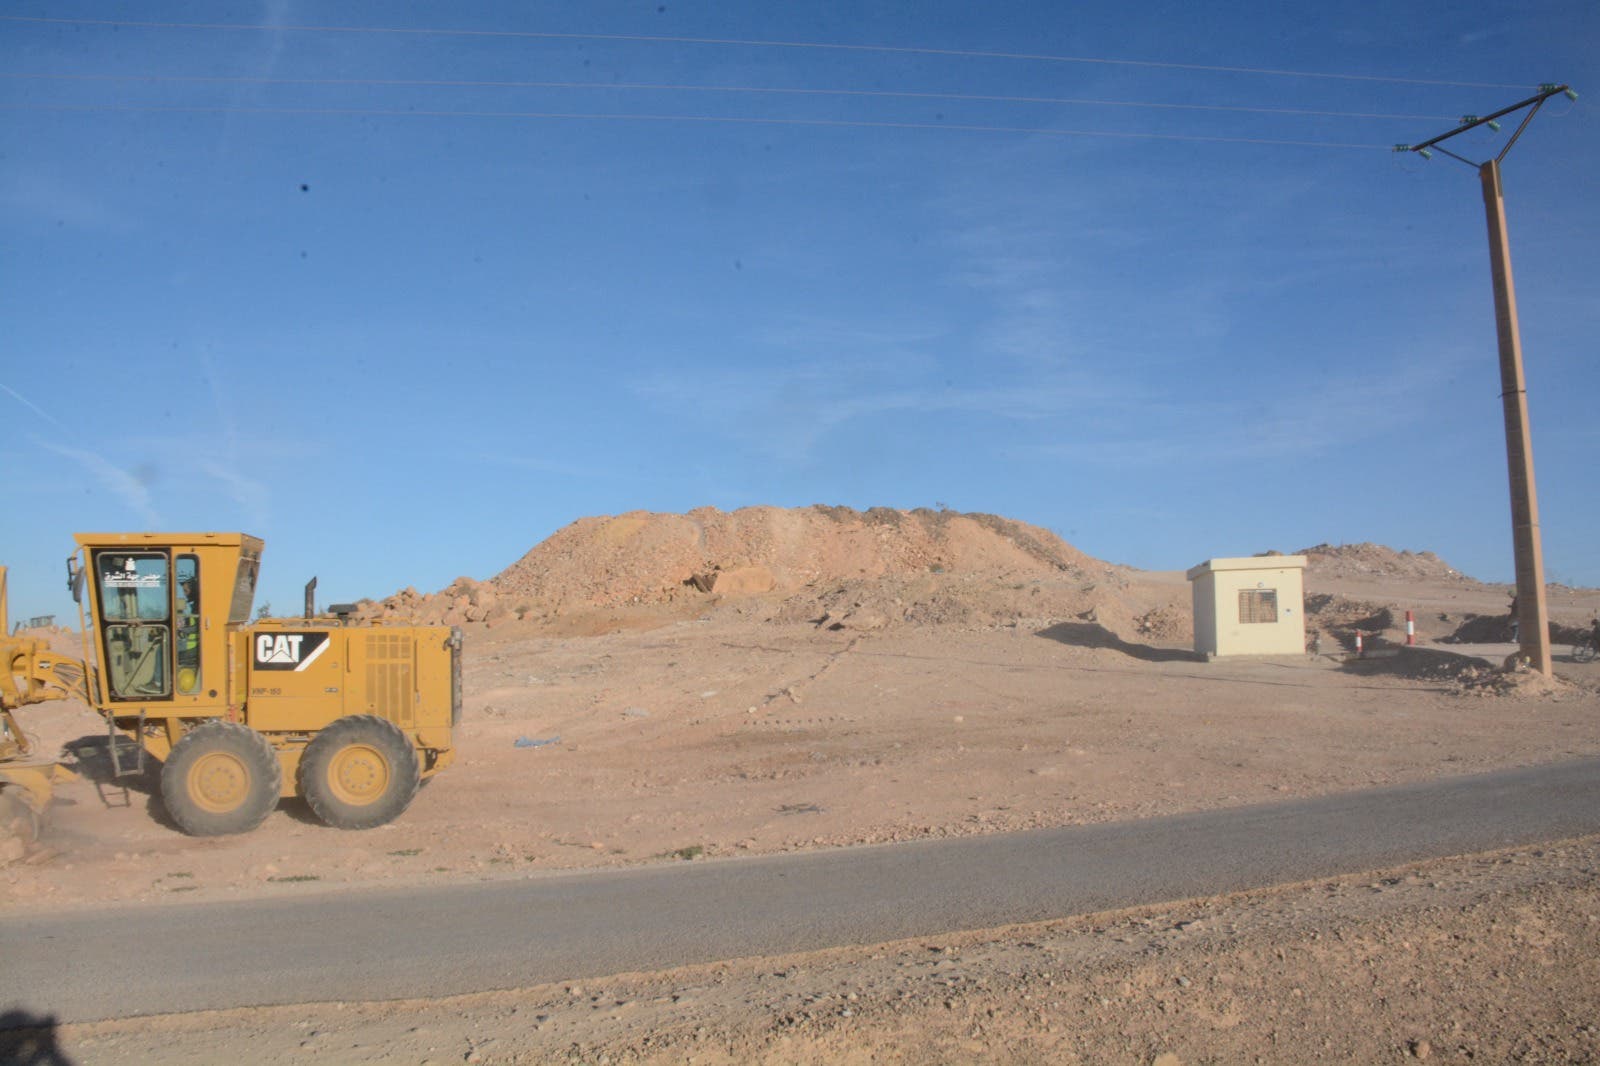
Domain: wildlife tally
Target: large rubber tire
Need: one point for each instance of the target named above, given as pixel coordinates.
(221, 778)
(359, 772)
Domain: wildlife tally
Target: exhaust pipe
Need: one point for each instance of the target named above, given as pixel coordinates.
(311, 598)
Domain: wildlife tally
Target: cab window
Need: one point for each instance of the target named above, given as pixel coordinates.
(187, 601)
(136, 616)
(133, 586)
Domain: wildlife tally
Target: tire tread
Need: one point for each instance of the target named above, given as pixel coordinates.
(255, 748)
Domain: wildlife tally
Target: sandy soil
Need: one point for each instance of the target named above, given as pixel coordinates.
(723, 736)
(891, 698)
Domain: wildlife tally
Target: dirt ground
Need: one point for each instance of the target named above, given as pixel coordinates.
(908, 701)
(723, 736)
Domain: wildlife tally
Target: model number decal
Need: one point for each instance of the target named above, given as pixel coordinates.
(288, 651)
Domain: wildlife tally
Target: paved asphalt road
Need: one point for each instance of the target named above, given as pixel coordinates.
(439, 940)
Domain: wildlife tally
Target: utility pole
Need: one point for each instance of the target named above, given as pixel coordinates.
(1533, 617)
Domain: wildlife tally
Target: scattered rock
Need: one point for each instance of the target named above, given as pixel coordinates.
(737, 581)
(861, 619)
(1376, 560)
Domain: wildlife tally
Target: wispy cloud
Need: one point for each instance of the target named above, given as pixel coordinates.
(275, 13)
(787, 412)
(30, 405)
(130, 486)
(824, 338)
(1028, 290)
(1101, 275)
(252, 497)
(1345, 416)
(274, 16)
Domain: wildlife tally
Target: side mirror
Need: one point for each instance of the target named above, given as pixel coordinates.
(75, 579)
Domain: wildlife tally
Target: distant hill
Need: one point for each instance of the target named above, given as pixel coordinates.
(1377, 560)
(842, 568)
(642, 558)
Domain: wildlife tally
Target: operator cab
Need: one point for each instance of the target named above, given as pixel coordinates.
(160, 605)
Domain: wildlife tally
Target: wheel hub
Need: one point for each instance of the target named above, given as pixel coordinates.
(219, 782)
(359, 774)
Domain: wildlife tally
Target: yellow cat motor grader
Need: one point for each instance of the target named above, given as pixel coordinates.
(351, 716)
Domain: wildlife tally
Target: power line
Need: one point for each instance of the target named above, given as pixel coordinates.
(753, 43)
(623, 117)
(748, 89)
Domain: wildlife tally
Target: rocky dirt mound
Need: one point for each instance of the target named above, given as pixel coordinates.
(1480, 629)
(979, 600)
(1515, 679)
(1343, 618)
(900, 565)
(1376, 560)
(1496, 628)
(1469, 675)
(463, 600)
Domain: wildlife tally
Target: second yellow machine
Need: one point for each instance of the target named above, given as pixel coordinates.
(350, 716)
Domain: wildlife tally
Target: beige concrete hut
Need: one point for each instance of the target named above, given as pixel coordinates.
(1252, 606)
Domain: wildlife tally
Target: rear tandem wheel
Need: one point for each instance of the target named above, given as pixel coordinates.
(359, 772)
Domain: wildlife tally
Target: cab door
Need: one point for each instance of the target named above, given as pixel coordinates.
(134, 593)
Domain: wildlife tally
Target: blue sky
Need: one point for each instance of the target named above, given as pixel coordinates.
(332, 289)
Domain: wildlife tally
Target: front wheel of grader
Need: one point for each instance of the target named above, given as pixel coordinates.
(221, 778)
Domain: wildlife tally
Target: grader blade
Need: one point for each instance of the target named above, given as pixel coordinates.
(25, 790)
